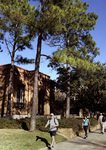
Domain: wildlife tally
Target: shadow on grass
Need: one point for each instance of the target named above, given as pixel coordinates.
(43, 140)
(24, 126)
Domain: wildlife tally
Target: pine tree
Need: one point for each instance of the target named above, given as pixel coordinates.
(77, 45)
(43, 26)
(14, 17)
(92, 93)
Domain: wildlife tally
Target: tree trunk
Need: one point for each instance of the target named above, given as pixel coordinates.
(35, 90)
(68, 92)
(36, 73)
(10, 89)
(68, 83)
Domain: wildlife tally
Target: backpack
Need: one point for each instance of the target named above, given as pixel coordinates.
(103, 119)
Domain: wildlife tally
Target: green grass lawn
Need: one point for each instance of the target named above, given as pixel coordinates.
(13, 137)
(19, 139)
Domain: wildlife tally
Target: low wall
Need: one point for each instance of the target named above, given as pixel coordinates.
(69, 133)
(66, 132)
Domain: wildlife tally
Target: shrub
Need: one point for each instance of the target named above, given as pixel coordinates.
(93, 122)
(9, 123)
(73, 123)
(40, 124)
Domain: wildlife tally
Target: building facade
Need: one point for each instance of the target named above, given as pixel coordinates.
(23, 92)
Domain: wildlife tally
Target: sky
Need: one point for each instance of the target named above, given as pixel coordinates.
(99, 36)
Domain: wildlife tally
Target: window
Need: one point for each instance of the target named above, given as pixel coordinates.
(20, 96)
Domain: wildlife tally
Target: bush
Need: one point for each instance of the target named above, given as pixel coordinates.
(93, 122)
(40, 124)
(73, 123)
(9, 123)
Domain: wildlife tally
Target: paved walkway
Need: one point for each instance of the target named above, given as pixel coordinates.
(94, 141)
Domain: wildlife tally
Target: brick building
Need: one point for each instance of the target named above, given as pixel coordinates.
(23, 92)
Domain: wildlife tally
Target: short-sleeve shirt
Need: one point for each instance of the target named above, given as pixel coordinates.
(52, 122)
(85, 121)
(100, 119)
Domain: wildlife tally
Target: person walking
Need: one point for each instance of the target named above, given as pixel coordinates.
(85, 123)
(53, 122)
(101, 123)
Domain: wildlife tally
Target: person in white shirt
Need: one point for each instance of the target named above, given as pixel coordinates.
(101, 123)
(53, 128)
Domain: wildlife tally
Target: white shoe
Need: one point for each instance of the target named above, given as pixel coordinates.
(54, 145)
(51, 146)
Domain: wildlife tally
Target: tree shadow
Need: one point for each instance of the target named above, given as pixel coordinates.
(80, 136)
(98, 131)
(24, 126)
(89, 143)
(95, 132)
(43, 140)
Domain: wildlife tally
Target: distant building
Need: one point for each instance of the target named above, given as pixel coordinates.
(23, 92)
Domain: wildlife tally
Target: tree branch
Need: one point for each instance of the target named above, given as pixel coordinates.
(47, 56)
(7, 47)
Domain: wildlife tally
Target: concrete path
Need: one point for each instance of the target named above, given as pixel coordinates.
(94, 141)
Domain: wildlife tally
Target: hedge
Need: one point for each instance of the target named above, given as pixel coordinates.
(73, 123)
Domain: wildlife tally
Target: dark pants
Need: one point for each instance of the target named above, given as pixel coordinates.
(52, 133)
(85, 129)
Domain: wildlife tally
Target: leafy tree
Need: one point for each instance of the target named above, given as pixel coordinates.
(75, 77)
(1, 36)
(60, 102)
(14, 17)
(77, 47)
(89, 86)
(92, 93)
(75, 83)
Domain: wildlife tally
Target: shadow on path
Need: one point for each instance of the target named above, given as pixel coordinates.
(98, 131)
(80, 136)
(88, 143)
(95, 132)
